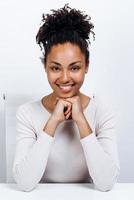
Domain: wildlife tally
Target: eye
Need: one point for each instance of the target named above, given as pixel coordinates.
(75, 68)
(55, 68)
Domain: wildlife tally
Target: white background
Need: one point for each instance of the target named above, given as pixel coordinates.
(111, 63)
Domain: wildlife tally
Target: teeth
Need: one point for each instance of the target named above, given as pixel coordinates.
(65, 87)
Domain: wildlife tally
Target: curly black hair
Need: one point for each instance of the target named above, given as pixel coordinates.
(65, 25)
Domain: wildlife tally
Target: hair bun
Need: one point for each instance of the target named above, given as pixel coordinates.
(66, 19)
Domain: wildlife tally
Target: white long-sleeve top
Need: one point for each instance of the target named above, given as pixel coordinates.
(66, 158)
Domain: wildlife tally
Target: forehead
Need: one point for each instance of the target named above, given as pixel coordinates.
(65, 52)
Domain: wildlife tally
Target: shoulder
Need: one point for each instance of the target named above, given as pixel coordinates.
(103, 103)
(28, 108)
(105, 109)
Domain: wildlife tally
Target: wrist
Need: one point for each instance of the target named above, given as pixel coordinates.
(54, 120)
(84, 127)
(50, 126)
(80, 118)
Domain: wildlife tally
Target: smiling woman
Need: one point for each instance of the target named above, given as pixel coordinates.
(66, 136)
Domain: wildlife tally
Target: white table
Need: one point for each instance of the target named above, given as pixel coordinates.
(121, 191)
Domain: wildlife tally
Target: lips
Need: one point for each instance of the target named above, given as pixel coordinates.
(66, 88)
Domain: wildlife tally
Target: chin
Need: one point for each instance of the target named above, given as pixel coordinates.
(66, 95)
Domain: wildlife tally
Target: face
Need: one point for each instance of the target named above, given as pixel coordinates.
(66, 68)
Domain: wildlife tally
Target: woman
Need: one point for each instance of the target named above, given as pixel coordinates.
(66, 136)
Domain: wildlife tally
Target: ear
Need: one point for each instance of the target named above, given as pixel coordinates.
(87, 67)
(45, 68)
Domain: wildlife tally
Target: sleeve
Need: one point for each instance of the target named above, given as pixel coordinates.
(31, 152)
(100, 149)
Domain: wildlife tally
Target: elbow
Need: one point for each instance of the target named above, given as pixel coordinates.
(25, 187)
(103, 187)
(107, 180)
(24, 183)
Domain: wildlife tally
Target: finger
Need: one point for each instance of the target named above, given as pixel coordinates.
(66, 105)
(69, 100)
(72, 99)
(65, 109)
(69, 107)
(67, 116)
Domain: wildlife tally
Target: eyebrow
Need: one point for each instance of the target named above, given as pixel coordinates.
(69, 64)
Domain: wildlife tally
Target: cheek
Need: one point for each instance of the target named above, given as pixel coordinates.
(52, 77)
(79, 77)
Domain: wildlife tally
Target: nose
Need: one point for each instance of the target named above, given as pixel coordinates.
(65, 77)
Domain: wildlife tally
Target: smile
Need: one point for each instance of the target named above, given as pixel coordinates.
(66, 88)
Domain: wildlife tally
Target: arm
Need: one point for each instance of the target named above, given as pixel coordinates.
(101, 149)
(32, 151)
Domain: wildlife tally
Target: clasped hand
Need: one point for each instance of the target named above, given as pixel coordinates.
(73, 105)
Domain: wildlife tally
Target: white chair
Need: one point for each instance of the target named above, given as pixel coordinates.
(2, 139)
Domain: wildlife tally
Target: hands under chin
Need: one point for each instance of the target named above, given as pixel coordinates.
(76, 112)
